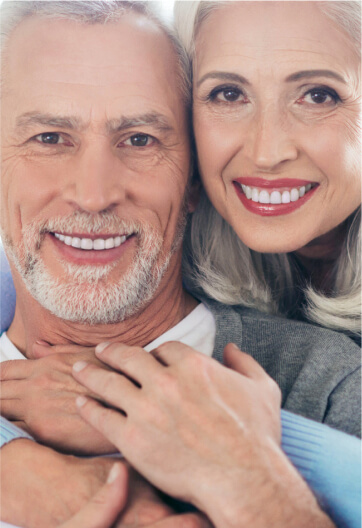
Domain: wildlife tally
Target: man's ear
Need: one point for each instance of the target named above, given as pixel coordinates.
(194, 195)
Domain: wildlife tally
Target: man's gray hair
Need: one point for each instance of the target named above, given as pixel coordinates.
(13, 12)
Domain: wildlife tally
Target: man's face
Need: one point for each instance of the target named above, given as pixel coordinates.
(95, 162)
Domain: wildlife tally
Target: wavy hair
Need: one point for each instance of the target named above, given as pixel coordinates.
(227, 270)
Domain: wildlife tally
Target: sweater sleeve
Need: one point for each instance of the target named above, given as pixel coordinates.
(9, 432)
(330, 462)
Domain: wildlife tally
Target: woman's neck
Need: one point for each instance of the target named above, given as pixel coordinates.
(319, 257)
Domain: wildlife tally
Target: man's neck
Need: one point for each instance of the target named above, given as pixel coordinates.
(168, 307)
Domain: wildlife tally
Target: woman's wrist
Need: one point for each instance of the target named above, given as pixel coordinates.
(267, 491)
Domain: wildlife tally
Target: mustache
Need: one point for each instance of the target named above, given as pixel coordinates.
(106, 223)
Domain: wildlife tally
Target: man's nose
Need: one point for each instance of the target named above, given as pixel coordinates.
(96, 182)
(269, 140)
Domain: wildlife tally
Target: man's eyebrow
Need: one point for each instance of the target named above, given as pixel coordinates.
(223, 76)
(308, 74)
(153, 119)
(36, 118)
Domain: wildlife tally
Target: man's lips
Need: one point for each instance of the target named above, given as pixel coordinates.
(97, 254)
(91, 242)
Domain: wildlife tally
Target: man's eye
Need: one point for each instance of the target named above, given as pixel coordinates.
(139, 140)
(318, 96)
(50, 138)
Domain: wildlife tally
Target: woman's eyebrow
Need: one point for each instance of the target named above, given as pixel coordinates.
(223, 76)
(307, 74)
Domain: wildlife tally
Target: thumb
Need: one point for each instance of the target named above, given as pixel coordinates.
(102, 510)
(241, 362)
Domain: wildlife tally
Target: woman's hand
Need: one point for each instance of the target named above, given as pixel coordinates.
(184, 418)
(39, 396)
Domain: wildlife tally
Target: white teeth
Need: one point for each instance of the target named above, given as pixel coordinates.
(264, 197)
(109, 243)
(76, 242)
(286, 197)
(294, 195)
(86, 243)
(98, 244)
(89, 244)
(275, 197)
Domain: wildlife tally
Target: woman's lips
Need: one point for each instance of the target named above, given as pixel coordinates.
(273, 197)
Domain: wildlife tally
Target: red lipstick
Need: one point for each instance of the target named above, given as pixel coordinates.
(269, 209)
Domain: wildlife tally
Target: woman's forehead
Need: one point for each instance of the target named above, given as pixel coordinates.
(261, 30)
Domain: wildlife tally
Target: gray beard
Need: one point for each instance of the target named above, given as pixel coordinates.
(85, 296)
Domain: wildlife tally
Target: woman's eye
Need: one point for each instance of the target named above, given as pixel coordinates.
(229, 95)
(139, 140)
(319, 96)
(50, 138)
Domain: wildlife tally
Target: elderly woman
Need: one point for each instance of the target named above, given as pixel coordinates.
(276, 107)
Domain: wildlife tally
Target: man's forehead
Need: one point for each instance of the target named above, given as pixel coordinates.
(130, 61)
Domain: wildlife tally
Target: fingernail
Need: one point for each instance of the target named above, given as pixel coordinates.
(80, 401)
(41, 343)
(235, 346)
(79, 365)
(113, 474)
(101, 347)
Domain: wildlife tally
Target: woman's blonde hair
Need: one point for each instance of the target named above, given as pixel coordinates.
(228, 271)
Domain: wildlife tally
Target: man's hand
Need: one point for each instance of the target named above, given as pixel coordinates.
(103, 509)
(39, 396)
(41, 488)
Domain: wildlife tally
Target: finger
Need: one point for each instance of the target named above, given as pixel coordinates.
(16, 369)
(107, 421)
(12, 409)
(102, 510)
(242, 363)
(12, 389)
(42, 349)
(112, 387)
(172, 352)
(132, 361)
(196, 520)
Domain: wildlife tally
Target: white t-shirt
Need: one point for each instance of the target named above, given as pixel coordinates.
(196, 330)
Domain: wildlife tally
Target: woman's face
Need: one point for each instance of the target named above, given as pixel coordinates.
(276, 108)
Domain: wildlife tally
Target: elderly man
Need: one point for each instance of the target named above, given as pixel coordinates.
(95, 193)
